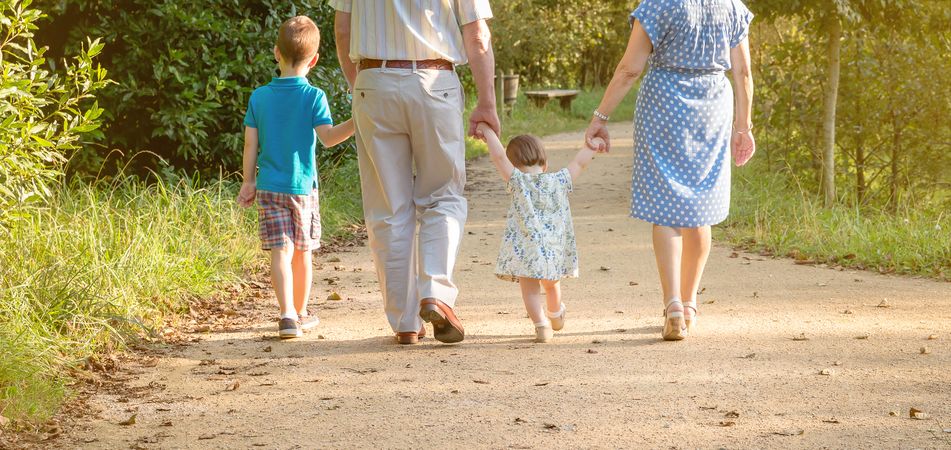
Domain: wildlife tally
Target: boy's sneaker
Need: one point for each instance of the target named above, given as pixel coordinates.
(288, 329)
(308, 322)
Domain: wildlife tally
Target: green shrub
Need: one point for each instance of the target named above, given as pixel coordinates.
(44, 113)
(185, 71)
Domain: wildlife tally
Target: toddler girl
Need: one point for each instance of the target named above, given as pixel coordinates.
(538, 247)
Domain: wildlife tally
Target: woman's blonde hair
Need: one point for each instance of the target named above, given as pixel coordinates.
(526, 151)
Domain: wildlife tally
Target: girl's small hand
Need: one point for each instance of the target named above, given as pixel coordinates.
(744, 145)
(598, 130)
(595, 143)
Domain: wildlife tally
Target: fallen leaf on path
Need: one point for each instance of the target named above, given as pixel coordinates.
(708, 408)
(701, 291)
(755, 294)
(596, 341)
(541, 384)
(932, 337)
(621, 330)
(167, 423)
(480, 382)
(592, 351)
(202, 329)
(206, 437)
(804, 262)
(837, 363)
(727, 423)
(454, 391)
(709, 302)
(734, 255)
(884, 304)
(848, 311)
(129, 422)
(917, 414)
(826, 372)
(268, 383)
(863, 337)
(605, 268)
(550, 426)
(893, 413)
(519, 420)
(233, 386)
(317, 380)
(832, 420)
(750, 356)
(801, 337)
(633, 283)
(732, 415)
(790, 432)
(335, 297)
(924, 350)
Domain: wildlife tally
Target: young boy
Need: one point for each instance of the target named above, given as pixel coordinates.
(282, 119)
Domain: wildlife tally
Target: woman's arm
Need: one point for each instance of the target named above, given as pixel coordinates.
(743, 143)
(630, 68)
(496, 151)
(330, 135)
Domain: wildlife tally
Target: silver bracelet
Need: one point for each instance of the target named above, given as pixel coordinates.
(601, 116)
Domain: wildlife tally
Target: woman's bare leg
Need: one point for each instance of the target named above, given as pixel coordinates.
(696, 249)
(668, 246)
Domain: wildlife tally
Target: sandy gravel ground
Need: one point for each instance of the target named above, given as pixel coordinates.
(607, 381)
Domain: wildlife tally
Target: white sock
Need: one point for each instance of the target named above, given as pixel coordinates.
(544, 323)
(290, 315)
(555, 315)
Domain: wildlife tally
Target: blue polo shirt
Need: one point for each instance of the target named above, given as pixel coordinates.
(285, 112)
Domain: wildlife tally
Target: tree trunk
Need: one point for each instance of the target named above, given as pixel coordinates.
(895, 164)
(828, 111)
(860, 184)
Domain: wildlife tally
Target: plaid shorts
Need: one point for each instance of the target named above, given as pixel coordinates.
(289, 219)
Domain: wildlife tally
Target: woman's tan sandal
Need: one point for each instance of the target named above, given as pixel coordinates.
(690, 319)
(674, 328)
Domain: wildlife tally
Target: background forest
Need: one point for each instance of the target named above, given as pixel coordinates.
(121, 124)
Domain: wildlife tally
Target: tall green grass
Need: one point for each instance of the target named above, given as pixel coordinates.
(107, 261)
(770, 212)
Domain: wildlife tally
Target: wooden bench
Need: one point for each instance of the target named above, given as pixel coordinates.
(564, 96)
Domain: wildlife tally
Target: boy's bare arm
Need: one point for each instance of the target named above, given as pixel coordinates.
(331, 135)
(496, 151)
(250, 166)
(582, 159)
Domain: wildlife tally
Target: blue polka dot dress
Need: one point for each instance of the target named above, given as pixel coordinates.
(684, 116)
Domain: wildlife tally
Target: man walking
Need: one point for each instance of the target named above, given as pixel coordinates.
(399, 57)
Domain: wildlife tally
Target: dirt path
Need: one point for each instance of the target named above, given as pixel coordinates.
(741, 381)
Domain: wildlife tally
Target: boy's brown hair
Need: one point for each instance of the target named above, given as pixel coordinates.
(298, 40)
(526, 151)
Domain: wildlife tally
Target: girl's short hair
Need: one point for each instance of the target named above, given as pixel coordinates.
(526, 151)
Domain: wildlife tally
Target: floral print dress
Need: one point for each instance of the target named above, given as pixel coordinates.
(539, 239)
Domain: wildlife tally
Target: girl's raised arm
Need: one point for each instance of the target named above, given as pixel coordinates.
(583, 158)
(496, 151)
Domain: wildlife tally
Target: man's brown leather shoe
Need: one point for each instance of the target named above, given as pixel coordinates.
(411, 337)
(446, 326)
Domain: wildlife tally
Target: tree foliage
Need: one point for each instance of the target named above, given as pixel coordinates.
(185, 71)
(44, 112)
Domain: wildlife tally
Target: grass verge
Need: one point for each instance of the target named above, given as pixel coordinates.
(769, 212)
(106, 262)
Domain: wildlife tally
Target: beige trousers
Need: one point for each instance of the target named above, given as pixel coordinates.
(411, 148)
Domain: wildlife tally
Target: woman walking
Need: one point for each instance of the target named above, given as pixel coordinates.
(688, 117)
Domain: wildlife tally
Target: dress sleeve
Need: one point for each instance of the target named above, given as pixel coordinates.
(249, 120)
(342, 5)
(654, 16)
(515, 180)
(565, 179)
(468, 11)
(321, 113)
(741, 23)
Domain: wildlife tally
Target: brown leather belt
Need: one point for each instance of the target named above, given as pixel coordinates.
(423, 64)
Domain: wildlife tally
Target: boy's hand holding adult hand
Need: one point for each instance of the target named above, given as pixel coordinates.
(246, 194)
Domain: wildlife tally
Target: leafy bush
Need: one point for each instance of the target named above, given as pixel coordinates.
(185, 71)
(44, 113)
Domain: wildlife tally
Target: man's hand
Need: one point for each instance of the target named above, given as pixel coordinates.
(246, 194)
(484, 114)
(743, 147)
(596, 137)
